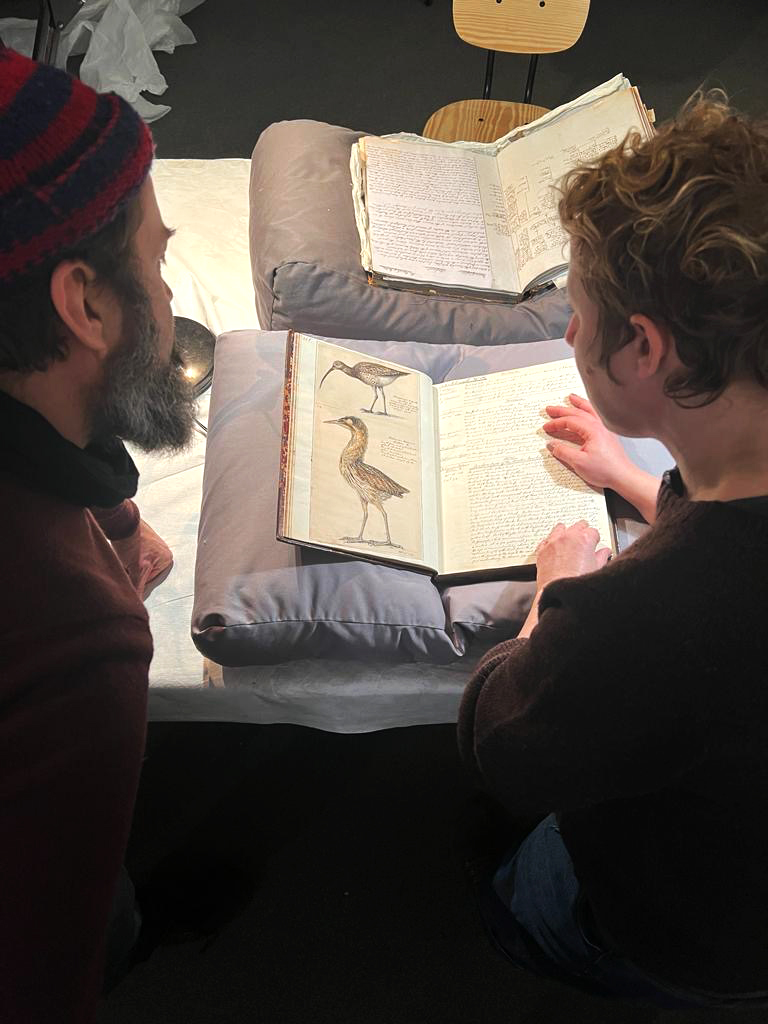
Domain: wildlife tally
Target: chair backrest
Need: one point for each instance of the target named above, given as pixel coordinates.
(520, 26)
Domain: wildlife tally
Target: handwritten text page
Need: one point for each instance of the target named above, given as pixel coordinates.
(501, 490)
(432, 217)
(531, 168)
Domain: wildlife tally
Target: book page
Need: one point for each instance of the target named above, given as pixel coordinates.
(531, 167)
(362, 478)
(501, 490)
(436, 214)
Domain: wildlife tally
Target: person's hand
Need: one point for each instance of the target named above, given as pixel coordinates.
(597, 456)
(146, 557)
(565, 551)
(569, 551)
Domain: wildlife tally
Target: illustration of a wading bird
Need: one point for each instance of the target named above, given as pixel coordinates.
(371, 485)
(374, 375)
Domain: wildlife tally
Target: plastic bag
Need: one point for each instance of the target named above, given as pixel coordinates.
(117, 38)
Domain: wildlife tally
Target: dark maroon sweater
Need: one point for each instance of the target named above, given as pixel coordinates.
(638, 711)
(75, 649)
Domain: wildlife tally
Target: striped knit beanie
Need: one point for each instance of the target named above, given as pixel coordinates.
(70, 158)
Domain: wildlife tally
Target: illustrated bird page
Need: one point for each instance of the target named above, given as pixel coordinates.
(366, 487)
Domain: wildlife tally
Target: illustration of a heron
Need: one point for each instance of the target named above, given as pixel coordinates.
(371, 485)
(374, 375)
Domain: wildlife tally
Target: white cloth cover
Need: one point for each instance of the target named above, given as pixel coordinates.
(208, 268)
(117, 38)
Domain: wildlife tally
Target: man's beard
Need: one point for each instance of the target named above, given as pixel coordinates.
(142, 399)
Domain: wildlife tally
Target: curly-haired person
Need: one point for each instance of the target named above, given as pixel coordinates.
(86, 361)
(630, 714)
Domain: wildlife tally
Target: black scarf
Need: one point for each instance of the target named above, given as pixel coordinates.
(100, 475)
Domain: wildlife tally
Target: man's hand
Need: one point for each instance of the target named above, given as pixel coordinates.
(566, 551)
(146, 557)
(597, 455)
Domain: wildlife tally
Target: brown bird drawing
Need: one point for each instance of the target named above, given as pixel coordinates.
(374, 375)
(370, 484)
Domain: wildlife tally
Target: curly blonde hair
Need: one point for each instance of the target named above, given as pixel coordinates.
(675, 227)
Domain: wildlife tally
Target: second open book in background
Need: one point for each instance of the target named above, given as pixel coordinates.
(481, 219)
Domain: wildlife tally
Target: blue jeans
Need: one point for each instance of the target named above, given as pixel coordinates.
(539, 919)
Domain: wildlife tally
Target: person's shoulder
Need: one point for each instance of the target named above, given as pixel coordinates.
(57, 560)
(26, 508)
(39, 530)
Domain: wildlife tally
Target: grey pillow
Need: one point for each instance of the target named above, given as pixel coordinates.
(305, 256)
(259, 601)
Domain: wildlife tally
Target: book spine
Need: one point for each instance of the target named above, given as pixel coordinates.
(283, 488)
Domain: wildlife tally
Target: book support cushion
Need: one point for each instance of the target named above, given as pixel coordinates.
(260, 601)
(305, 257)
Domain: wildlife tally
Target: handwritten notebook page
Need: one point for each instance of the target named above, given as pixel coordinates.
(436, 214)
(531, 167)
(501, 490)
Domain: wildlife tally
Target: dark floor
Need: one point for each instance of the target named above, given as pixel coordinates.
(385, 67)
(359, 913)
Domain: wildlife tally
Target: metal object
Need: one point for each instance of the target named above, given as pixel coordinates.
(53, 17)
(195, 346)
(374, 375)
(489, 62)
(531, 75)
(371, 485)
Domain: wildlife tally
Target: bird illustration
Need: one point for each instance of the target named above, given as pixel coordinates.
(371, 485)
(374, 375)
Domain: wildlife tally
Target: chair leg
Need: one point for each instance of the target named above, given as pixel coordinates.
(531, 75)
(52, 18)
(488, 74)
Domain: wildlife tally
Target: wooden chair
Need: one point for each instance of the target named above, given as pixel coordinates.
(514, 26)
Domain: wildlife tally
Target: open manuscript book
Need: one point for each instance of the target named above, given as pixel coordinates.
(479, 219)
(452, 478)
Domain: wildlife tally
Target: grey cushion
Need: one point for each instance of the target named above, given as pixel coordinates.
(305, 256)
(259, 601)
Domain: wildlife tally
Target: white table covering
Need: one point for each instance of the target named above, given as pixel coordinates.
(208, 269)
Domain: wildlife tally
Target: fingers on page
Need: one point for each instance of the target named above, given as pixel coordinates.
(564, 433)
(572, 423)
(580, 403)
(563, 453)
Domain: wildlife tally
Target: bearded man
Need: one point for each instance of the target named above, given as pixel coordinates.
(87, 361)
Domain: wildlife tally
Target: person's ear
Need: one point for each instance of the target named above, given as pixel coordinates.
(652, 346)
(88, 310)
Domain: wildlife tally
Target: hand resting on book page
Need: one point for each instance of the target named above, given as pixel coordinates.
(569, 551)
(564, 552)
(597, 455)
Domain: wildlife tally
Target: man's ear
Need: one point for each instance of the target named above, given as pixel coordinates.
(87, 309)
(652, 346)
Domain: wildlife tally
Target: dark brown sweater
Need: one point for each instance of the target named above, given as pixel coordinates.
(638, 711)
(75, 649)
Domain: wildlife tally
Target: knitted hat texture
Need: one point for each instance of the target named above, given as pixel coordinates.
(70, 158)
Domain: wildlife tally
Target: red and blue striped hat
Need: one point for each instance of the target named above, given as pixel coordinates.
(70, 158)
